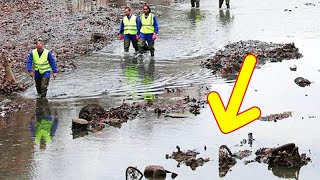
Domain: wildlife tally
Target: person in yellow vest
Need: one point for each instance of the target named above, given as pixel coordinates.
(43, 63)
(44, 126)
(148, 31)
(129, 30)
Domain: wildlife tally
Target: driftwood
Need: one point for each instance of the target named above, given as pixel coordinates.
(9, 76)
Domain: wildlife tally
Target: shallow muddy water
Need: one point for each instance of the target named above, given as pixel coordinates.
(186, 37)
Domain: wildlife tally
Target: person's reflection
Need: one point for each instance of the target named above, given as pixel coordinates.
(225, 18)
(131, 75)
(43, 126)
(147, 79)
(139, 77)
(195, 17)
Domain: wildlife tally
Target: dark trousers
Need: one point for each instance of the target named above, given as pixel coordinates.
(142, 46)
(227, 3)
(134, 43)
(195, 2)
(42, 84)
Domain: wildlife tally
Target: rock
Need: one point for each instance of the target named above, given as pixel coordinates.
(302, 82)
(91, 112)
(80, 124)
(155, 171)
(294, 68)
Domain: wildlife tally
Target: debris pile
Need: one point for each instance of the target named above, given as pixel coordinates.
(302, 82)
(276, 117)
(188, 158)
(284, 156)
(229, 60)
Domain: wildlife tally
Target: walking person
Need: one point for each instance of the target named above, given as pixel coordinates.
(43, 63)
(149, 30)
(129, 30)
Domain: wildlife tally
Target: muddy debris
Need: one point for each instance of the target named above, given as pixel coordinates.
(226, 160)
(286, 157)
(228, 61)
(91, 111)
(94, 118)
(188, 158)
(179, 110)
(293, 68)
(276, 117)
(302, 82)
(310, 4)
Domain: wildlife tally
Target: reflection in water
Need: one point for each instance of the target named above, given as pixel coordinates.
(224, 17)
(195, 17)
(287, 173)
(138, 77)
(43, 126)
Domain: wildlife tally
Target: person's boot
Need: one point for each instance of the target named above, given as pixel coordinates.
(152, 53)
(220, 3)
(197, 4)
(192, 3)
(228, 6)
(44, 87)
(38, 86)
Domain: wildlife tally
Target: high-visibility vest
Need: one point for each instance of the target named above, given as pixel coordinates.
(130, 25)
(41, 63)
(43, 129)
(147, 24)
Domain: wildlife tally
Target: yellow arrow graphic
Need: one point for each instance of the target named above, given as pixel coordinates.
(229, 119)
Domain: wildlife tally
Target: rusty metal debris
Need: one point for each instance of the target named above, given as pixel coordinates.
(188, 158)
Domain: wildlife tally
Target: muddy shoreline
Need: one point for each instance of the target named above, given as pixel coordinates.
(68, 31)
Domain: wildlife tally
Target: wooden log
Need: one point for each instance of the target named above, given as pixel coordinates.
(9, 76)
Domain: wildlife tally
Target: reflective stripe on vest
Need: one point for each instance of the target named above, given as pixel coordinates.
(147, 24)
(130, 25)
(41, 64)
